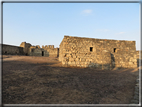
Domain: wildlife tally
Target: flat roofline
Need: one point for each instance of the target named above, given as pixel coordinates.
(11, 45)
(96, 38)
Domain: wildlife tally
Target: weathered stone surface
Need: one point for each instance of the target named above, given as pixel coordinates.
(107, 54)
(26, 47)
(12, 50)
(37, 46)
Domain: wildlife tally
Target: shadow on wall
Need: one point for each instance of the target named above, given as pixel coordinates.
(45, 53)
(112, 60)
(38, 52)
(138, 62)
(100, 66)
(12, 53)
(107, 66)
(58, 52)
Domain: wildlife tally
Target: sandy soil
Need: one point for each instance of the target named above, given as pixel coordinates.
(43, 80)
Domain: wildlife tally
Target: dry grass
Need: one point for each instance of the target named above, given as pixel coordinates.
(42, 80)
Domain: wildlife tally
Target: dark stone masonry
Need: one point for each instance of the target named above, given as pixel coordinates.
(12, 50)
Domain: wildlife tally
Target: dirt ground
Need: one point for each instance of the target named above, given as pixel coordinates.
(43, 80)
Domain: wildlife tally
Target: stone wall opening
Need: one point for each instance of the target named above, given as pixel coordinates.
(91, 49)
(114, 49)
(42, 53)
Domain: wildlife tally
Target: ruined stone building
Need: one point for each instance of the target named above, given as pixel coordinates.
(37, 51)
(28, 49)
(84, 52)
(99, 53)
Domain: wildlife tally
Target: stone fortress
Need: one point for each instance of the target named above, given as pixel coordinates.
(28, 49)
(84, 52)
(37, 51)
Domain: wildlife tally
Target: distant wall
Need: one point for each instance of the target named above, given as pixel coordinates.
(12, 50)
(38, 52)
(35, 52)
(51, 51)
(28, 49)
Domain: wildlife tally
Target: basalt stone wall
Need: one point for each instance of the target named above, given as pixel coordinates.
(37, 52)
(101, 53)
(139, 57)
(12, 50)
(51, 51)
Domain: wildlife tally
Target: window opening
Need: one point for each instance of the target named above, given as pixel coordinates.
(91, 49)
(114, 49)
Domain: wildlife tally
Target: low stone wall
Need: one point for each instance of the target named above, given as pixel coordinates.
(12, 50)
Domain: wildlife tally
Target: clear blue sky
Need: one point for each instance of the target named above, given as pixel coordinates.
(47, 23)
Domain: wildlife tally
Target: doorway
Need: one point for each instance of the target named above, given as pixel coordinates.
(42, 53)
